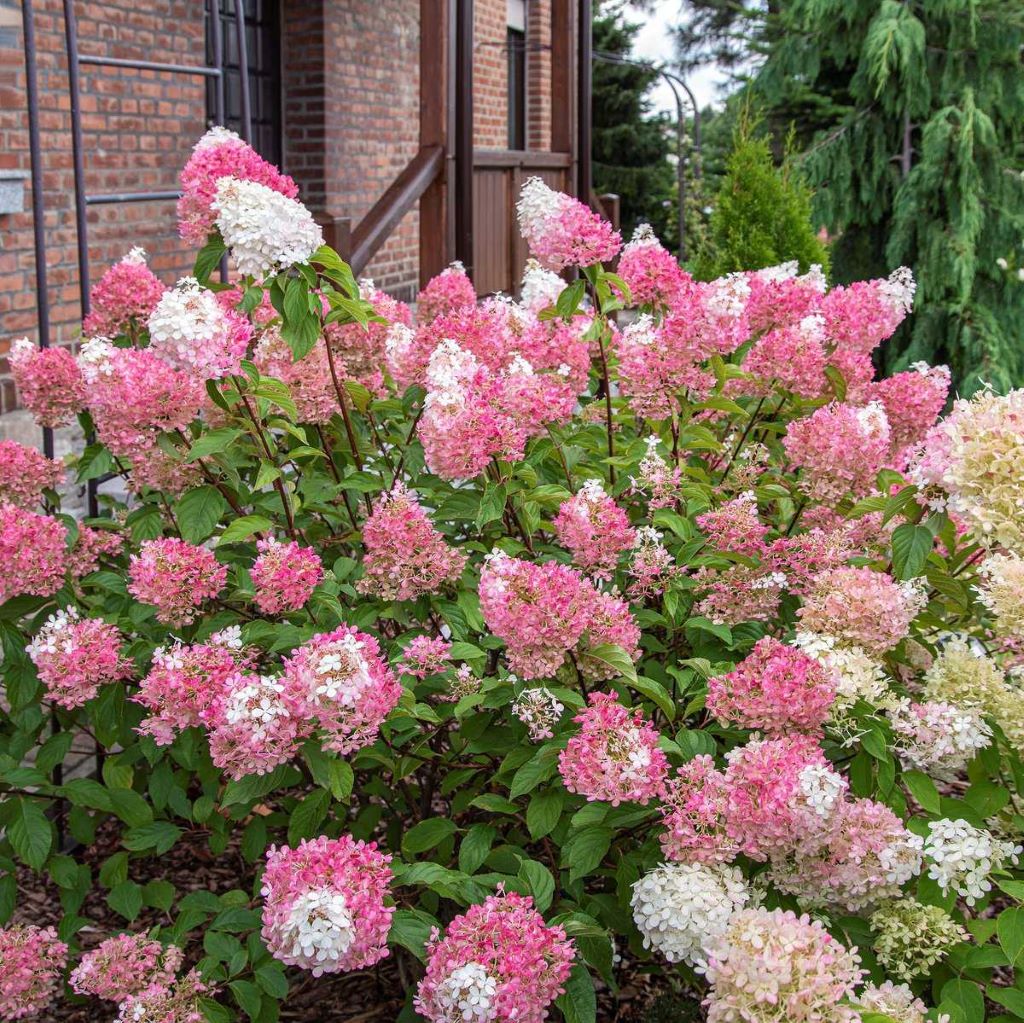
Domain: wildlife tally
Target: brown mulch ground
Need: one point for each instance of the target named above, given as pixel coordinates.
(372, 996)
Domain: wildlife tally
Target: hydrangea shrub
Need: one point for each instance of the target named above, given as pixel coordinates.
(631, 622)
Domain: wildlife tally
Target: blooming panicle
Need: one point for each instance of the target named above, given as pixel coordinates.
(193, 332)
(124, 965)
(176, 577)
(776, 688)
(308, 379)
(961, 857)
(772, 966)
(75, 656)
(912, 401)
(33, 553)
(343, 683)
(31, 962)
(25, 473)
(694, 809)
(861, 607)
(426, 655)
(540, 710)
(177, 1002)
(406, 556)
(735, 526)
(594, 529)
(540, 288)
(862, 315)
(780, 296)
(656, 476)
(49, 382)
(324, 904)
(840, 449)
(740, 593)
(1001, 590)
(220, 153)
(123, 297)
(912, 938)
(855, 674)
(651, 565)
(792, 357)
(680, 908)
(90, 545)
(653, 275)
(561, 231)
(266, 232)
(448, 292)
(896, 1001)
(802, 557)
(937, 738)
(614, 757)
(497, 961)
(284, 575)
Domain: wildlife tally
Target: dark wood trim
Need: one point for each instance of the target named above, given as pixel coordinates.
(525, 158)
(402, 194)
(563, 92)
(584, 83)
(433, 241)
(463, 135)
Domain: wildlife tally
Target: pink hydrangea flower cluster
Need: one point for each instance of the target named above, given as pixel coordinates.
(49, 382)
(862, 315)
(123, 297)
(802, 557)
(735, 526)
(91, 545)
(653, 275)
(284, 575)
(75, 656)
(450, 291)
(124, 965)
(609, 622)
(341, 680)
(426, 655)
(33, 553)
(839, 449)
(739, 594)
(308, 379)
(176, 577)
(614, 757)
(772, 966)
(780, 296)
(655, 476)
(792, 357)
(912, 401)
(324, 904)
(860, 607)
(652, 566)
(31, 962)
(594, 529)
(544, 611)
(178, 1002)
(25, 473)
(220, 153)
(498, 961)
(561, 231)
(775, 688)
(195, 333)
(694, 808)
(406, 556)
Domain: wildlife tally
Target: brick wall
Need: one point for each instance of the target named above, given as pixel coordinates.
(538, 74)
(490, 74)
(138, 128)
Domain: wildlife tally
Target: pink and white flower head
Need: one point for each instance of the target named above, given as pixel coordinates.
(406, 556)
(181, 686)
(33, 553)
(961, 857)
(772, 966)
(614, 757)
(694, 808)
(775, 689)
(912, 401)
(540, 611)
(75, 656)
(780, 295)
(540, 710)
(426, 655)
(861, 607)
(123, 297)
(938, 738)
(91, 545)
(610, 622)
(540, 287)
(124, 965)
(561, 231)
(594, 529)
(308, 379)
(897, 1001)
(865, 856)
(176, 577)
(448, 292)
(195, 333)
(345, 685)
(284, 575)
(256, 723)
(25, 473)
(791, 357)
(266, 232)
(178, 1002)
(31, 962)
(498, 961)
(653, 274)
(861, 316)
(218, 154)
(778, 792)
(48, 380)
(735, 526)
(324, 904)
(651, 566)
(655, 475)
(839, 449)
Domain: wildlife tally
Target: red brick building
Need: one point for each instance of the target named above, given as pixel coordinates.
(384, 111)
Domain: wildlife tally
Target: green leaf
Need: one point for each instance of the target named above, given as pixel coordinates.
(209, 257)
(615, 657)
(273, 980)
(911, 546)
(540, 882)
(538, 768)
(1010, 931)
(126, 898)
(307, 817)
(213, 442)
(492, 505)
(426, 835)
(543, 812)
(30, 833)
(159, 836)
(579, 1003)
(244, 527)
(411, 929)
(586, 849)
(923, 789)
(248, 997)
(198, 512)
(967, 997)
(569, 300)
(656, 693)
(473, 849)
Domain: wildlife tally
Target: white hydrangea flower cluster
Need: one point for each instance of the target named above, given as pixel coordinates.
(912, 937)
(680, 907)
(468, 994)
(938, 738)
(94, 358)
(537, 206)
(858, 676)
(540, 710)
(49, 638)
(257, 704)
(319, 929)
(822, 789)
(266, 231)
(541, 287)
(898, 289)
(962, 857)
(895, 1000)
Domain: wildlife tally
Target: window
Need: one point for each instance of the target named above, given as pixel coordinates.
(263, 32)
(515, 41)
